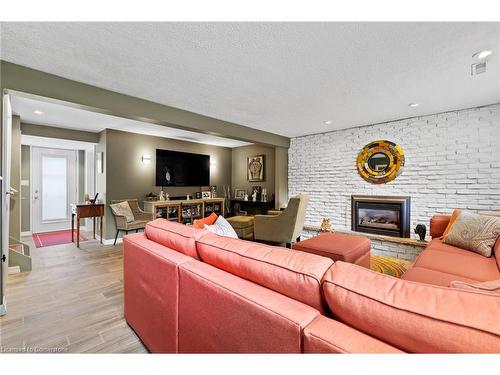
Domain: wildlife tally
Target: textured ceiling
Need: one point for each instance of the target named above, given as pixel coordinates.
(286, 78)
(62, 116)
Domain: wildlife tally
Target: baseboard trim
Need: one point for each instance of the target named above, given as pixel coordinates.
(112, 241)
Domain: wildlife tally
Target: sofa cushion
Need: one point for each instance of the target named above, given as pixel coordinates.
(174, 235)
(472, 266)
(496, 250)
(454, 216)
(414, 317)
(438, 245)
(295, 274)
(428, 276)
(325, 335)
(474, 232)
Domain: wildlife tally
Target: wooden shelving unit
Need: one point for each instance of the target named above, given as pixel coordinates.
(185, 211)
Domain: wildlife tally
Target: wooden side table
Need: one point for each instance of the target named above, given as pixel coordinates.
(85, 211)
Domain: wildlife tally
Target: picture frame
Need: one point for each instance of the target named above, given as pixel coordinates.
(206, 194)
(239, 193)
(256, 168)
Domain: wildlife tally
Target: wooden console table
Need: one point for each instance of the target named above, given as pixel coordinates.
(252, 207)
(85, 211)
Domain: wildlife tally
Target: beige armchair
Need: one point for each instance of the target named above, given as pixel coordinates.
(284, 227)
(140, 218)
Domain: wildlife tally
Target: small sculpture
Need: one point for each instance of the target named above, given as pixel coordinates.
(245, 197)
(254, 196)
(421, 230)
(162, 195)
(325, 225)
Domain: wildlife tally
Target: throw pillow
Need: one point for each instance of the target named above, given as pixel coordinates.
(454, 216)
(123, 209)
(474, 232)
(487, 286)
(222, 228)
(209, 220)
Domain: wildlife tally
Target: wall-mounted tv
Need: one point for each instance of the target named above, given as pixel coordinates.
(182, 169)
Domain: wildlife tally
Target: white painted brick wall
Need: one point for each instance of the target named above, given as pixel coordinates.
(452, 160)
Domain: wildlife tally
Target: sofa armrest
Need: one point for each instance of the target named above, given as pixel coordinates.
(325, 335)
(438, 224)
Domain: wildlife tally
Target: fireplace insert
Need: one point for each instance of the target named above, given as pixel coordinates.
(384, 215)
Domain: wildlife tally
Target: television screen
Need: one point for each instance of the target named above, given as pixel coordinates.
(182, 169)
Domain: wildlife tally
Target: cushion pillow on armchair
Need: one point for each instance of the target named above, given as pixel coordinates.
(474, 232)
(222, 228)
(209, 220)
(123, 209)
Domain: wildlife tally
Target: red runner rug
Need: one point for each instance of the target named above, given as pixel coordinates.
(54, 238)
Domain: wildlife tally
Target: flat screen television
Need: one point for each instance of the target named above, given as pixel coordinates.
(175, 168)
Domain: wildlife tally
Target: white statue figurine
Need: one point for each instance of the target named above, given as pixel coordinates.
(162, 196)
(254, 196)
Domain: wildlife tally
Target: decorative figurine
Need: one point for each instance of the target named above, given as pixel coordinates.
(162, 195)
(263, 196)
(421, 230)
(325, 225)
(245, 197)
(254, 196)
(86, 198)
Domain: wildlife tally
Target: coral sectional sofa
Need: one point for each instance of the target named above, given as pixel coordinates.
(189, 291)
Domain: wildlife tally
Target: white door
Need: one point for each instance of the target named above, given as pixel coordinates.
(6, 157)
(54, 178)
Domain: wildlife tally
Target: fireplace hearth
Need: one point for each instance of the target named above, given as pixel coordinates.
(385, 215)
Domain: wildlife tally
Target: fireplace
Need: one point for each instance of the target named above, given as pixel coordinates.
(388, 216)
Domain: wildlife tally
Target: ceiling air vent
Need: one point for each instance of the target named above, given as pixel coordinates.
(478, 68)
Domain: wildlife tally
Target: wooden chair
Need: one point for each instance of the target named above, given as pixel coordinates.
(141, 218)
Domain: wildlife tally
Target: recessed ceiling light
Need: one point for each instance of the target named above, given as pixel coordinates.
(37, 112)
(328, 122)
(482, 54)
(413, 105)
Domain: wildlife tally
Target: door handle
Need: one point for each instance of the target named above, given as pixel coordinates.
(11, 191)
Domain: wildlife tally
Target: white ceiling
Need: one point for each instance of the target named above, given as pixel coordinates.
(286, 78)
(67, 117)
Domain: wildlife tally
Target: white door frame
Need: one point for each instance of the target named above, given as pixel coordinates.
(5, 191)
(38, 225)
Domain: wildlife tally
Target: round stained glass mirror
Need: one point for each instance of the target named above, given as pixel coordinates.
(380, 162)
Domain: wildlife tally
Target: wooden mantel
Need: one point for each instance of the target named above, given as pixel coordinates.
(379, 237)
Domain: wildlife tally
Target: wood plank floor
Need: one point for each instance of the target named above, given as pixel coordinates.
(71, 302)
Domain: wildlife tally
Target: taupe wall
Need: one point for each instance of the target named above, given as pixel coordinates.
(127, 177)
(239, 168)
(15, 180)
(281, 176)
(25, 190)
(59, 133)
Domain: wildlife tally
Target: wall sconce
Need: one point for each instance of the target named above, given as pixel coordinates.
(146, 159)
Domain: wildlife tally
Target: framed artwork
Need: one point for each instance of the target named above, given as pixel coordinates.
(100, 162)
(239, 193)
(255, 168)
(206, 194)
